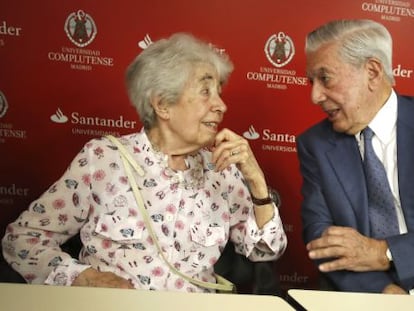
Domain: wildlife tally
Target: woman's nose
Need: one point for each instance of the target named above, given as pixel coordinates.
(219, 104)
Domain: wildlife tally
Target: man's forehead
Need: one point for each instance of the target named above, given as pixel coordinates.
(323, 60)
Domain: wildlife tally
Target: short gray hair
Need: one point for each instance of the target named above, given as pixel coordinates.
(358, 40)
(164, 67)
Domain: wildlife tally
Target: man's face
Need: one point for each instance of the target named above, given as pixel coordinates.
(341, 89)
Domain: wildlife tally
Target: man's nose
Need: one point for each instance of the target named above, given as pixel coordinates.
(318, 93)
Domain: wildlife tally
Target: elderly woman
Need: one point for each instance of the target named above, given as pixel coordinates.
(200, 187)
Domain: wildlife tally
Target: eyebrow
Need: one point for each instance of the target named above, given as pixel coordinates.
(207, 77)
(319, 71)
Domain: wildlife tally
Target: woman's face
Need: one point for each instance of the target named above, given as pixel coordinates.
(342, 90)
(194, 119)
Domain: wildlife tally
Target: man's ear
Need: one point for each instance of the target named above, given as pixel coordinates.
(160, 107)
(375, 72)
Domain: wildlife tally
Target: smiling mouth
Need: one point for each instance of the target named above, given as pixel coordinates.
(212, 125)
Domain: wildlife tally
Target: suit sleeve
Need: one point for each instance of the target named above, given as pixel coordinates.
(402, 250)
(325, 204)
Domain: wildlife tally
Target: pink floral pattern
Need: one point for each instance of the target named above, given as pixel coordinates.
(193, 213)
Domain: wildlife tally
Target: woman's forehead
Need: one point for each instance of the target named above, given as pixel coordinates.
(203, 73)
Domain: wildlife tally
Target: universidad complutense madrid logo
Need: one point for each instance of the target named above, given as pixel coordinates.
(279, 49)
(80, 28)
(3, 105)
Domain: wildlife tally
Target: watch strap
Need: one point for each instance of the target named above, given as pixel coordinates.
(262, 201)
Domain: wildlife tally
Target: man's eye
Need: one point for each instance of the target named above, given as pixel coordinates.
(324, 79)
(205, 92)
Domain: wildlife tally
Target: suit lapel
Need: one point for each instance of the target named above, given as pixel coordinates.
(405, 155)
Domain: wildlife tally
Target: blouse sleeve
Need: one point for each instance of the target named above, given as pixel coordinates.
(31, 244)
(267, 243)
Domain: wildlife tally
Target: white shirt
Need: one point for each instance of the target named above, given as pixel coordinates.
(384, 142)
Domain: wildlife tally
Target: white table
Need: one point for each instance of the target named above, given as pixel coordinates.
(25, 297)
(314, 300)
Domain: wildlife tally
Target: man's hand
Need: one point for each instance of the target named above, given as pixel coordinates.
(348, 250)
(93, 278)
(394, 289)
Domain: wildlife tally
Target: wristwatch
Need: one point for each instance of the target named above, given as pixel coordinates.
(273, 196)
(389, 255)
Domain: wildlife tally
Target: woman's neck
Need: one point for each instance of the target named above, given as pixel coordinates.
(176, 157)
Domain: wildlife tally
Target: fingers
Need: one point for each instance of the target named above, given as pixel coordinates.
(334, 249)
(334, 236)
(93, 278)
(232, 155)
(332, 244)
(337, 230)
(225, 135)
(234, 152)
(394, 289)
(329, 238)
(346, 248)
(229, 148)
(334, 265)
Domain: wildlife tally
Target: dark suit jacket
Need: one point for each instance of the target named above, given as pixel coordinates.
(334, 193)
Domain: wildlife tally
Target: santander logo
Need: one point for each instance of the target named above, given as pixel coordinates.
(251, 133)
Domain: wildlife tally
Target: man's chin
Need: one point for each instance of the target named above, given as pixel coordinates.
(339, 128)
(344, 130)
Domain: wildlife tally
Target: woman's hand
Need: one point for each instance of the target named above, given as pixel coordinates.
(93, 278)
(230, 148)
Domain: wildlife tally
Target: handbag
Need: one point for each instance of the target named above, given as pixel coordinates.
(223, 285)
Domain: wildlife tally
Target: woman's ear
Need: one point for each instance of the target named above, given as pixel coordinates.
(160, 107)
(375, 73)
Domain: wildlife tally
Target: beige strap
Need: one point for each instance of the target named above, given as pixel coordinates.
(128, 161)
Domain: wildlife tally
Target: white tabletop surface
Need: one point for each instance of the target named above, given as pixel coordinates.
(314, 300)
(25, 297)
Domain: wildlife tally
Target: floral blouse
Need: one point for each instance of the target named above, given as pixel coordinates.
(193, 213)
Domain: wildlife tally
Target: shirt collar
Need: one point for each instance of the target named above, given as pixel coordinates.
(192, 177)
(384, 121)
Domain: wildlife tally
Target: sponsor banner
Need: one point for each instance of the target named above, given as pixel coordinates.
(272, 141)
(94, 126)
(62, 82)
